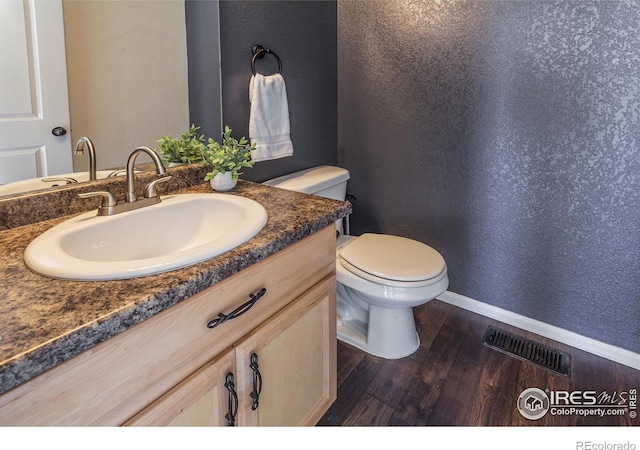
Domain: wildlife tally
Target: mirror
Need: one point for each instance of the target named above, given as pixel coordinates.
(127, 75)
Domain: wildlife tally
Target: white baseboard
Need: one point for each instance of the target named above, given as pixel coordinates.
(611, 352)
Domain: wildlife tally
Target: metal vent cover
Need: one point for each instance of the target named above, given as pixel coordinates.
(526, 350)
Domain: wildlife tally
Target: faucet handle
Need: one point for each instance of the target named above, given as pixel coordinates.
(150, 190)
(106, 204)
(66, 180)
(117, 173)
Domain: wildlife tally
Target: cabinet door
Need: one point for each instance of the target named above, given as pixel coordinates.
(295, 354)
(203, 399)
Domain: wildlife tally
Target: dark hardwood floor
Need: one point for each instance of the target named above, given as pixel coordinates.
(455, 380)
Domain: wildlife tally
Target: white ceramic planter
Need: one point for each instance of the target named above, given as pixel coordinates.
(223, 182)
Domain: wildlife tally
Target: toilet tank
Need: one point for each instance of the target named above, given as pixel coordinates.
(324, 181)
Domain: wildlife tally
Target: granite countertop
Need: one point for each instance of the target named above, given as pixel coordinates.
(46, 321)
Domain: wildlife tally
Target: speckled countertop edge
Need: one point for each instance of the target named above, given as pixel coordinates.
(46, 322)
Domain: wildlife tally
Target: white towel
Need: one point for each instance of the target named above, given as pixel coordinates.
(269, 118)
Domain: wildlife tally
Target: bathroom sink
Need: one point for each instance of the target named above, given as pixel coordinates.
(181, 230)
(36, 184)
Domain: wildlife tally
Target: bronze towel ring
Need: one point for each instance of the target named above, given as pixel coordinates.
(258, 53)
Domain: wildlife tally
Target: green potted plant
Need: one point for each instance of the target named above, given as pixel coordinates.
(226, 159)
(186, 150)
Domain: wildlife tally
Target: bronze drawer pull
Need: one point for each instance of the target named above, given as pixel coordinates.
(257, 382)
(233, 400)
(240, 310)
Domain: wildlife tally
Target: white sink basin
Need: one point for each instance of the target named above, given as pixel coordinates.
(181, 230)
(36, 184)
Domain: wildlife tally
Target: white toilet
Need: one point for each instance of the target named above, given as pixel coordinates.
(380, 277)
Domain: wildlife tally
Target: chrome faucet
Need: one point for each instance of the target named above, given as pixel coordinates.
(109, 204)
(131, 196)
(86, 142)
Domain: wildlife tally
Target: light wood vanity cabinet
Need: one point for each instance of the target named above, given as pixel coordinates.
(172, 369)
(276, 376)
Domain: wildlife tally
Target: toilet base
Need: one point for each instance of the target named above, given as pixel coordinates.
(389, 333)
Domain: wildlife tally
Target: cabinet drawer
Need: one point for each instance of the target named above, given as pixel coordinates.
(113, 381)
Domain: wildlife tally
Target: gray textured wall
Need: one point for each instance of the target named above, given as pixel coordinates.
(506, 135)
(303, 34)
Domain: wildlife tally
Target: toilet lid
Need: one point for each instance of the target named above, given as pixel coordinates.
(392, 258)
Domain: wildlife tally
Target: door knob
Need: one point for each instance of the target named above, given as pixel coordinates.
(58, 131)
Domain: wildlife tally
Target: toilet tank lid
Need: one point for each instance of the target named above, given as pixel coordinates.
(310, 181)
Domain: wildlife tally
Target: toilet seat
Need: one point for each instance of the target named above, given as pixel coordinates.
(393, 261)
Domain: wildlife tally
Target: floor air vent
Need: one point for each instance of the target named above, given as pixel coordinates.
(554, 360)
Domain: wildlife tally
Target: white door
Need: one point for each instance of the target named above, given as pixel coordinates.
(33, 91)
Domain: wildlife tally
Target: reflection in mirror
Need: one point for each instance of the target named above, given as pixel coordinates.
(37, 184)
(127, 77)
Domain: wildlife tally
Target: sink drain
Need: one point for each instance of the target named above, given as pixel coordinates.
(526, 350)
